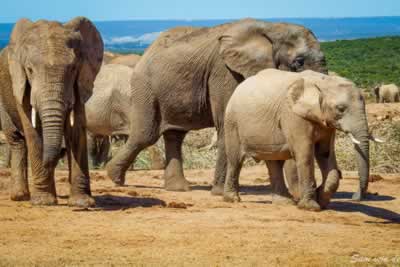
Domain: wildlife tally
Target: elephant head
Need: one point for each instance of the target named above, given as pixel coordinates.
(250, 46)
(335, 102)
(52, 68)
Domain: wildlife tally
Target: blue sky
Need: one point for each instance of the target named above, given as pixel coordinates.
(63, 10)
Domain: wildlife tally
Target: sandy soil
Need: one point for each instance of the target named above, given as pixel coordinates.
(141, 224)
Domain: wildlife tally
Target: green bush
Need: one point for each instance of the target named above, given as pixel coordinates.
(366, 62)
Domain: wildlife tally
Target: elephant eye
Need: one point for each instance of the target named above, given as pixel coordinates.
(297, 64)
(29, 70)
(299, 61)
(341, 108)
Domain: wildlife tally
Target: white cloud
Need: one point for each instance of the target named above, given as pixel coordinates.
(146, 38)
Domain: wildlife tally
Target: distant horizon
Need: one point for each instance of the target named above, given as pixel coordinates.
(137, 34)
(215, 19)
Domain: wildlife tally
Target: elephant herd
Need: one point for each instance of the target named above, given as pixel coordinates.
(263, 86)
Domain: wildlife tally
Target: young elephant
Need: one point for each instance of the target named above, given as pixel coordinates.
(388, 93)
(275, 116)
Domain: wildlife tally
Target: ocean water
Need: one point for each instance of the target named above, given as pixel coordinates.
(136, 35)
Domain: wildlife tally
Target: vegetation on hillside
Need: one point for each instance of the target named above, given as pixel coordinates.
(367, 62)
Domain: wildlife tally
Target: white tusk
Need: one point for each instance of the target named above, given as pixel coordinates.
(353, 139)
(33, 117)
(71, 118)
(373, 138)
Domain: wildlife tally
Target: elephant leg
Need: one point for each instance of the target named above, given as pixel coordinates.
(19, 188)
(304, 157)
(281, 194)
(125, 156)
(326, 160)
(221, 166)
(43, 190)
(174, 180)
(80, 193)
(292, 178)
(231, 188)
(7, 156)
(144, 134)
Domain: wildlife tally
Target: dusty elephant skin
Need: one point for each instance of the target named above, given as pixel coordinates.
(186, 77)
(46, 75)
(107, 114)
(388, 93)
(276, 115)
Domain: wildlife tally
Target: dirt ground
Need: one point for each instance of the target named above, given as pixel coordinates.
(142, 224)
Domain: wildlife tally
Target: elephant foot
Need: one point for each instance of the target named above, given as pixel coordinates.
(217, 190)
(81, 200)
(282, 200)
(324, 197)
(20, 195)
(116, 175)
(176, 184)
(232, 197)
(44, 199)
(309, 204)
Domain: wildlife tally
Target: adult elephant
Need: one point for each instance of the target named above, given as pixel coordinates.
(107, 114)
(388, 93)
(46, 76)
(186, 77)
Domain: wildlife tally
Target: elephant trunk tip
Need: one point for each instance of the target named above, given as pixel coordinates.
(50, 158)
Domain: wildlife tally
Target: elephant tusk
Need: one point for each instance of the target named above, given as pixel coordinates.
(377, 140)
(353, 139)
(33, 117)
(71, 118)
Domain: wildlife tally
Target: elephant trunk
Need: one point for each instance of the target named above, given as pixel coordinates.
(52, 110)
(360, 132)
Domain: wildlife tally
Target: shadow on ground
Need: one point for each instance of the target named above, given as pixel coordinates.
(370, 197)
(389, 216)
(113, 202)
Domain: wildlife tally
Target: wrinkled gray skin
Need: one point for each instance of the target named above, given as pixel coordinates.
(48, 69)
(276, 115)
(5, 150)
(186, 77)
(388, 93)
(107, 112)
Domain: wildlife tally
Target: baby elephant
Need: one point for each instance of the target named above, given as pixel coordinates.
(388, 93)
(276, 115)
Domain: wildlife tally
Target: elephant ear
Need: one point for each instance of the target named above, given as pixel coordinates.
(91, 47)
(15, 59)
(306, 101)
(246, 50)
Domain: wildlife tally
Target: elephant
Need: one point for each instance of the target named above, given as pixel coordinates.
(276, 115)
(46, 75)
(185, 78)
(107, 114)
(388, 93)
